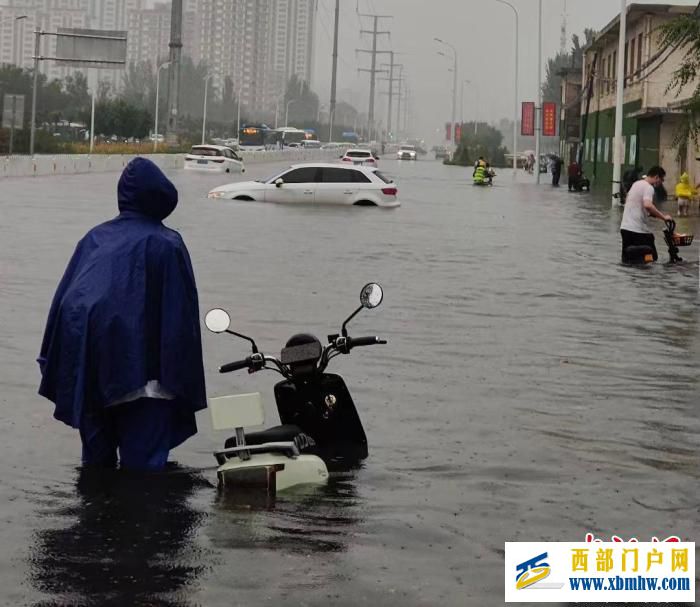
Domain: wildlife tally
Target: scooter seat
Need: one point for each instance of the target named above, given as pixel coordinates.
(276, 434)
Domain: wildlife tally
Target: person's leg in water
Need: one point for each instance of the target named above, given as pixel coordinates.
(146, 429)
(99, 440)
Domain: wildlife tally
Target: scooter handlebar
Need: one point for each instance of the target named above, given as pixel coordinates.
(235, 366)
(354, 342)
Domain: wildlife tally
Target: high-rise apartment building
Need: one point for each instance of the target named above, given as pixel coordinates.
(259, 44)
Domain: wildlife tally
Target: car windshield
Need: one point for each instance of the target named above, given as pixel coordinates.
(408, 148)
(383, 177)
(205, 151)
(358, 154)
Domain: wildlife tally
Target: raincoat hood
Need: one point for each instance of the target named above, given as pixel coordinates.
(684, 189)
(144, 189)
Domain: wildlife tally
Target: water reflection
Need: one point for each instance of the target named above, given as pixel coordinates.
(317, 519)
(128, 539)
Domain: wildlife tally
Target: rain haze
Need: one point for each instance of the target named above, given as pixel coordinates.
(482, 33)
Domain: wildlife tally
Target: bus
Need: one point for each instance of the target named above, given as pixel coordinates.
(255, 137)
(289, 134)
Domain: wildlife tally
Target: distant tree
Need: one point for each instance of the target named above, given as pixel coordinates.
(304, 107)
(485, 142)
(77, 96)
(551, 88)
(683, 33)
(139, 83)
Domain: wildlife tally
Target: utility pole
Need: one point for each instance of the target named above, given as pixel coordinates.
(175, 56)
(618, 150)
(391, 81)
(373, 70)
(400, 80)
(331, 114)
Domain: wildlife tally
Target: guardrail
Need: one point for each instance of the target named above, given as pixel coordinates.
(71, 164)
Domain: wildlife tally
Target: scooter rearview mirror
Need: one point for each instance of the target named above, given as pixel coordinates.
(217, 320)
(371, 295)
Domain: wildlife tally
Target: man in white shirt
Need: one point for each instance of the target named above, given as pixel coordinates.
(639, 206)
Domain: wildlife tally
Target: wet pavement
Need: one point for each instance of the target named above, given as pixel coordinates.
(532, 389)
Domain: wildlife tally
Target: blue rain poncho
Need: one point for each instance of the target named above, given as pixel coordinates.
(126, 311)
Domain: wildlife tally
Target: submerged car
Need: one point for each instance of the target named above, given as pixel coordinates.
(323, 183)
(407, 152)
(214, 158)
(360, 156)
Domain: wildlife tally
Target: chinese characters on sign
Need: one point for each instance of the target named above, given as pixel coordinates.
(527, 124)
(549, 119)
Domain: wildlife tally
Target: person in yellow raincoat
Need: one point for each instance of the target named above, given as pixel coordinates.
(684, 193)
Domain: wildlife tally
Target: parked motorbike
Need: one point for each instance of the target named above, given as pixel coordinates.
(320, 427)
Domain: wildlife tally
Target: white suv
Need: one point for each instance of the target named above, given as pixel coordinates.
(407, 152)
(358, 156)
(323, 183)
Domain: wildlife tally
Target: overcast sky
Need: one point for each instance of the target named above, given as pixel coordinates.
(481, 30)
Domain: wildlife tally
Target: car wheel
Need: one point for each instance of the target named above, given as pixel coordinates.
(228, 170)
(244, 198)
(365, 203)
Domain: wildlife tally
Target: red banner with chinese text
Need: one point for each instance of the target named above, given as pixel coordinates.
(448, 131)
(527, 121)
(458, 132)
(549, 119)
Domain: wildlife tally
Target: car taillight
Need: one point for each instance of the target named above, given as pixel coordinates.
(390, 191)
(370, 160)
(217, 159)
(347, 159)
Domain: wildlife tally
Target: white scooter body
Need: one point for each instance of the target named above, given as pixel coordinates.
(275, 466)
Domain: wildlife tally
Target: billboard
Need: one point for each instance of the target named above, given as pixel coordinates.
(90, 48)
(549, 119)
(527, 121)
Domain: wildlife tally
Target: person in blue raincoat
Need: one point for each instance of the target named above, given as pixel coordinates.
(121, 357)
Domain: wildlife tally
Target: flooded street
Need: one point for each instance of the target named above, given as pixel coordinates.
(533, 388)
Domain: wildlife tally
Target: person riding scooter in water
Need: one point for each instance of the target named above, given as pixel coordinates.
(122, 356)
(481, 174)
(639, 205)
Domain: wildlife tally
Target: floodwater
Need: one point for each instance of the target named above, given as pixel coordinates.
(532, 389)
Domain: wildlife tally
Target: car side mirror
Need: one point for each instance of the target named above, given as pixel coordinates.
(279, 182)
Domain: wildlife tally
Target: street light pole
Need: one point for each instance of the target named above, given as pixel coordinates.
(618, 152)
(286, 112)
(204, 114)
(37, 50)
(454, 83)
(538, 111)
(238, 112)
(155, 128)
(515, 92)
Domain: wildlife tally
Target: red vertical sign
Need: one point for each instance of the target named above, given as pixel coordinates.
(458, 132)
(527, 122)
(448, 131)
(549, 119)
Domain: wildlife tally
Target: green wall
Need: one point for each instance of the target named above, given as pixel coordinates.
(641, 143)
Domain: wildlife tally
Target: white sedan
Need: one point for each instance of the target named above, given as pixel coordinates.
(324, 183)
(214, 158)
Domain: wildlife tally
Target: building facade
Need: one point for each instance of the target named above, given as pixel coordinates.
(651, 117)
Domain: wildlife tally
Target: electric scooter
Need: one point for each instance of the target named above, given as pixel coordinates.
(642, 254)
(320, 427)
